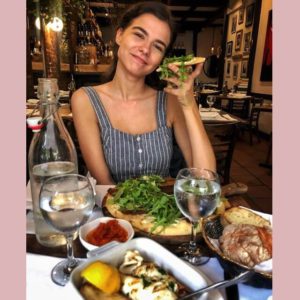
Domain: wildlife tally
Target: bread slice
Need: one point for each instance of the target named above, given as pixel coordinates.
(193, 61)
(239, 215)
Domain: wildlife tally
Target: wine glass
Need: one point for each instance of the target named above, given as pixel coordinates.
(210, 101)
(66, 202)
(197, 194)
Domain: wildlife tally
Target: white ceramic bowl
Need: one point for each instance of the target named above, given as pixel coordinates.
(193, 278)
(83, 231)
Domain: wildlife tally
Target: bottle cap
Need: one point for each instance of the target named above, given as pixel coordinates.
(35, 123)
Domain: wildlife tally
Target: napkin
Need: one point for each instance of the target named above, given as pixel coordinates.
(204, 109)
(38, 280)
(228, 117)
(208, 114)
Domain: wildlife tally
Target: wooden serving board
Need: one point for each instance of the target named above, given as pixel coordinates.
(162, 239)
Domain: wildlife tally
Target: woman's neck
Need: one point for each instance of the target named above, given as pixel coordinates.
(128, 87)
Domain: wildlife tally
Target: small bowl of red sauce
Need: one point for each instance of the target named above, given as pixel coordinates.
(104, 230)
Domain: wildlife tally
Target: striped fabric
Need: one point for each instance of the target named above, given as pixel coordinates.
(130, 155)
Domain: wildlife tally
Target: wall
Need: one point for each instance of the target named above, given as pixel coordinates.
(265, 121)
(238, 57)
(204, 42)
(257, 85)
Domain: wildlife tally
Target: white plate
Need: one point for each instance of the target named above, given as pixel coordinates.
(152, 251)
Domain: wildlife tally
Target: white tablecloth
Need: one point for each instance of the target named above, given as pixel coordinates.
(38, 269)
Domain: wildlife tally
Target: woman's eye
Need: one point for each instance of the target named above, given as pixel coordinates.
(159, 48)
(140, 35)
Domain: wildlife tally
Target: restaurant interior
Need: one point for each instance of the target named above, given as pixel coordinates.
(233, 92)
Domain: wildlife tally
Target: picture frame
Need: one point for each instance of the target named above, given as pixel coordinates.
(233, 24)
(235, 71)
(238, 40)
(244, 68)
(249, 15)
(247, 42)
(241, 15)
(228, 68)
(229, 48)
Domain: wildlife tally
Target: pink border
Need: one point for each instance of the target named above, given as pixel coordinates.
(286, 149)
(13, 134)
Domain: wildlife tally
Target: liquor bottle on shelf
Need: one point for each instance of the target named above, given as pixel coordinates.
(51, 152)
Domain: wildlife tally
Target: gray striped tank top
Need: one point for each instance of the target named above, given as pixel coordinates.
(130, 155)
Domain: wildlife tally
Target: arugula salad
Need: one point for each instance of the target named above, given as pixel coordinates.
(180, 60)
(144, 194)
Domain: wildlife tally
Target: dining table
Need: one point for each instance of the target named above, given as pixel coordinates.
(217, 116)
(40, 260)
(229, 100)
(203, 93)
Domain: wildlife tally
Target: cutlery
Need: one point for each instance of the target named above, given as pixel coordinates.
(102, 249)
(221, 284)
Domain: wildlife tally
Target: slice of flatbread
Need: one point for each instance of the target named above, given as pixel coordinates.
(144, 222)
(193, 61)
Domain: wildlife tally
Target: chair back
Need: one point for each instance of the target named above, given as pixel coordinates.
(255, 111)
(240, 108)
(222, 138)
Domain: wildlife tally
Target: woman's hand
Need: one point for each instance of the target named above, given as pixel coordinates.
(183, 90)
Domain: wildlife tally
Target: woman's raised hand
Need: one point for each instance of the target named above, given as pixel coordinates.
(183, 89)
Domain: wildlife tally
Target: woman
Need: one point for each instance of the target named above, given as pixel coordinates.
(124, 126)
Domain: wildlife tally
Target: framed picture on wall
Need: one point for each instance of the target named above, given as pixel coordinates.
(244, 68)
(241, 15)
(233, 25)
(235, 70)
(228, 68)
(229, 48)
(249, 15)
(247, 42)
(238, 40)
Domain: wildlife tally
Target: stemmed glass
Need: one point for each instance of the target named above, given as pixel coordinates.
(66, 202)
(197, 194)
(210, 101)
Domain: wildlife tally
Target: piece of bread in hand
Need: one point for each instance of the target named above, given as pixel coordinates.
(239, 215)
(246, 244)
(193, 61)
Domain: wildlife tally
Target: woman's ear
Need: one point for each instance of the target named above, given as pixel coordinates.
(119, 36)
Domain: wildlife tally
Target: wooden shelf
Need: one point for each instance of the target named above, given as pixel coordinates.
(79, 69)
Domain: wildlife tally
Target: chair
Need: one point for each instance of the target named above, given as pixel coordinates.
(251, 124)
(240, 108)
(222, 138)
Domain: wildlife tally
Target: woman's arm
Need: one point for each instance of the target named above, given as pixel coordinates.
(88, 134)
(188, 126)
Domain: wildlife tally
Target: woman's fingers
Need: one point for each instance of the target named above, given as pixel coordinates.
(173, 80)
(197, 70)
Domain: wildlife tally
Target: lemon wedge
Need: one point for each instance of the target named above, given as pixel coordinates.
(103, 276)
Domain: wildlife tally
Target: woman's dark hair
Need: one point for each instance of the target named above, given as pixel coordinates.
(158, 10)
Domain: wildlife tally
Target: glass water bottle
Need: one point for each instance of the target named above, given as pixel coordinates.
(51, 152)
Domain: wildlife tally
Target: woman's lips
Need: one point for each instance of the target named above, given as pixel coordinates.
(138, 59)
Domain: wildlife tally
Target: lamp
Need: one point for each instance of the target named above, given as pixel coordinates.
(56, 24)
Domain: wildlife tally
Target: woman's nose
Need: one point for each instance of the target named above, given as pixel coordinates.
(145, 48)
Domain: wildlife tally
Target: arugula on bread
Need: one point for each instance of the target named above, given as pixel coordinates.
(182, 62)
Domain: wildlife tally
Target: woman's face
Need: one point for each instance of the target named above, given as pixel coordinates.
(142, 44)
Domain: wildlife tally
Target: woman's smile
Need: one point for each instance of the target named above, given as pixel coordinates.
(139, 59)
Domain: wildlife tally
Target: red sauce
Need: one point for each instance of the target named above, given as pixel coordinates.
(107, 232)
